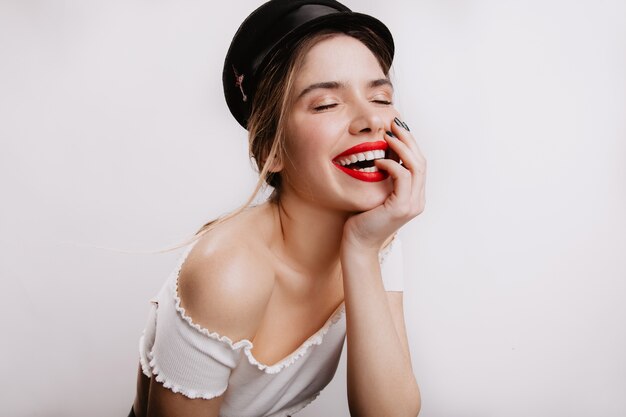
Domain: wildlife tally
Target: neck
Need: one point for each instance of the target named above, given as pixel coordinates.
(309, 236)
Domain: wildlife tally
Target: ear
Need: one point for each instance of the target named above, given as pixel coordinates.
(276, 165)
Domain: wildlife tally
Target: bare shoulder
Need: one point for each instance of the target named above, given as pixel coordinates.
(227, 279)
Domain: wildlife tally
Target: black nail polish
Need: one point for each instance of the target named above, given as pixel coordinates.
(390, 134)
(402, 124)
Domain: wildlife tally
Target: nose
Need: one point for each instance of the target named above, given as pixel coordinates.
(366, 119)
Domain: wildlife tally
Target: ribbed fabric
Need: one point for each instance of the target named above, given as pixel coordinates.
(198, 363)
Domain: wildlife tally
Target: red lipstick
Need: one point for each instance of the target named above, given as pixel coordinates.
(364, 147)
(364, 176)
(358, 149)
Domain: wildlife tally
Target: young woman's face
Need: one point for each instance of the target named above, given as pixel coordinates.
(341, 99)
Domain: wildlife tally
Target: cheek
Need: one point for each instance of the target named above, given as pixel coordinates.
(312, 139)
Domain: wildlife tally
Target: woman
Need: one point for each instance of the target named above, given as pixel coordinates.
(253, 320)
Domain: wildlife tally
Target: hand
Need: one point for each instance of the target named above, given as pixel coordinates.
(370, 229)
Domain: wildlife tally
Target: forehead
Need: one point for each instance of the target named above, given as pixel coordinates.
(339, 58)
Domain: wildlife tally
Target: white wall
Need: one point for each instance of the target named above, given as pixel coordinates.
(114, 133)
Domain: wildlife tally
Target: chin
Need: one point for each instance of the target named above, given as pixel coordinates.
(371, 197)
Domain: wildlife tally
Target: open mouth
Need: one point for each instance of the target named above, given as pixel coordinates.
(362, 161)
(358, 161)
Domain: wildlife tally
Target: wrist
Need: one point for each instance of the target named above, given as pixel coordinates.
(351, 249)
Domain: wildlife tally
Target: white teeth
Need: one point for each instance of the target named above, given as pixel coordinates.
(362, 156)
(370, 169)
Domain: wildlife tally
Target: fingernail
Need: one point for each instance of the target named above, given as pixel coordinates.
(401, 124)
(390, 134)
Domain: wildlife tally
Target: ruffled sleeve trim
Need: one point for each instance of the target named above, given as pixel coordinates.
(316, 339)
(189, 393)
(247, 345)
(143, 361)
(213, 335)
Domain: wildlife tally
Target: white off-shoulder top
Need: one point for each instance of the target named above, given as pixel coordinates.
(199, 363)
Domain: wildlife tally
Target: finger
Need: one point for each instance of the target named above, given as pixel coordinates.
(403, 133)
(408, 157)
(391, 153)
(402, 124)
(416, 167)
(408, 139)
(401, 177)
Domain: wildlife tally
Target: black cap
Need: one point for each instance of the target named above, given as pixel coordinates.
(271, 26)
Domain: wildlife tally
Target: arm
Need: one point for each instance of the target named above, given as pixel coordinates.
(165, 403)
(380, 375)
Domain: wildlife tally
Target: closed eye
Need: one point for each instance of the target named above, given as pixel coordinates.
(330, 106)
(324, 107)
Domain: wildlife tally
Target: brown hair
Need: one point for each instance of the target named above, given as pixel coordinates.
(271, 106)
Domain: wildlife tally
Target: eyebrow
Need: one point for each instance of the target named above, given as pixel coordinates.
(335, 85)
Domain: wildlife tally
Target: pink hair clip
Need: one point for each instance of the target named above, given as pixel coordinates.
(239, 82)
